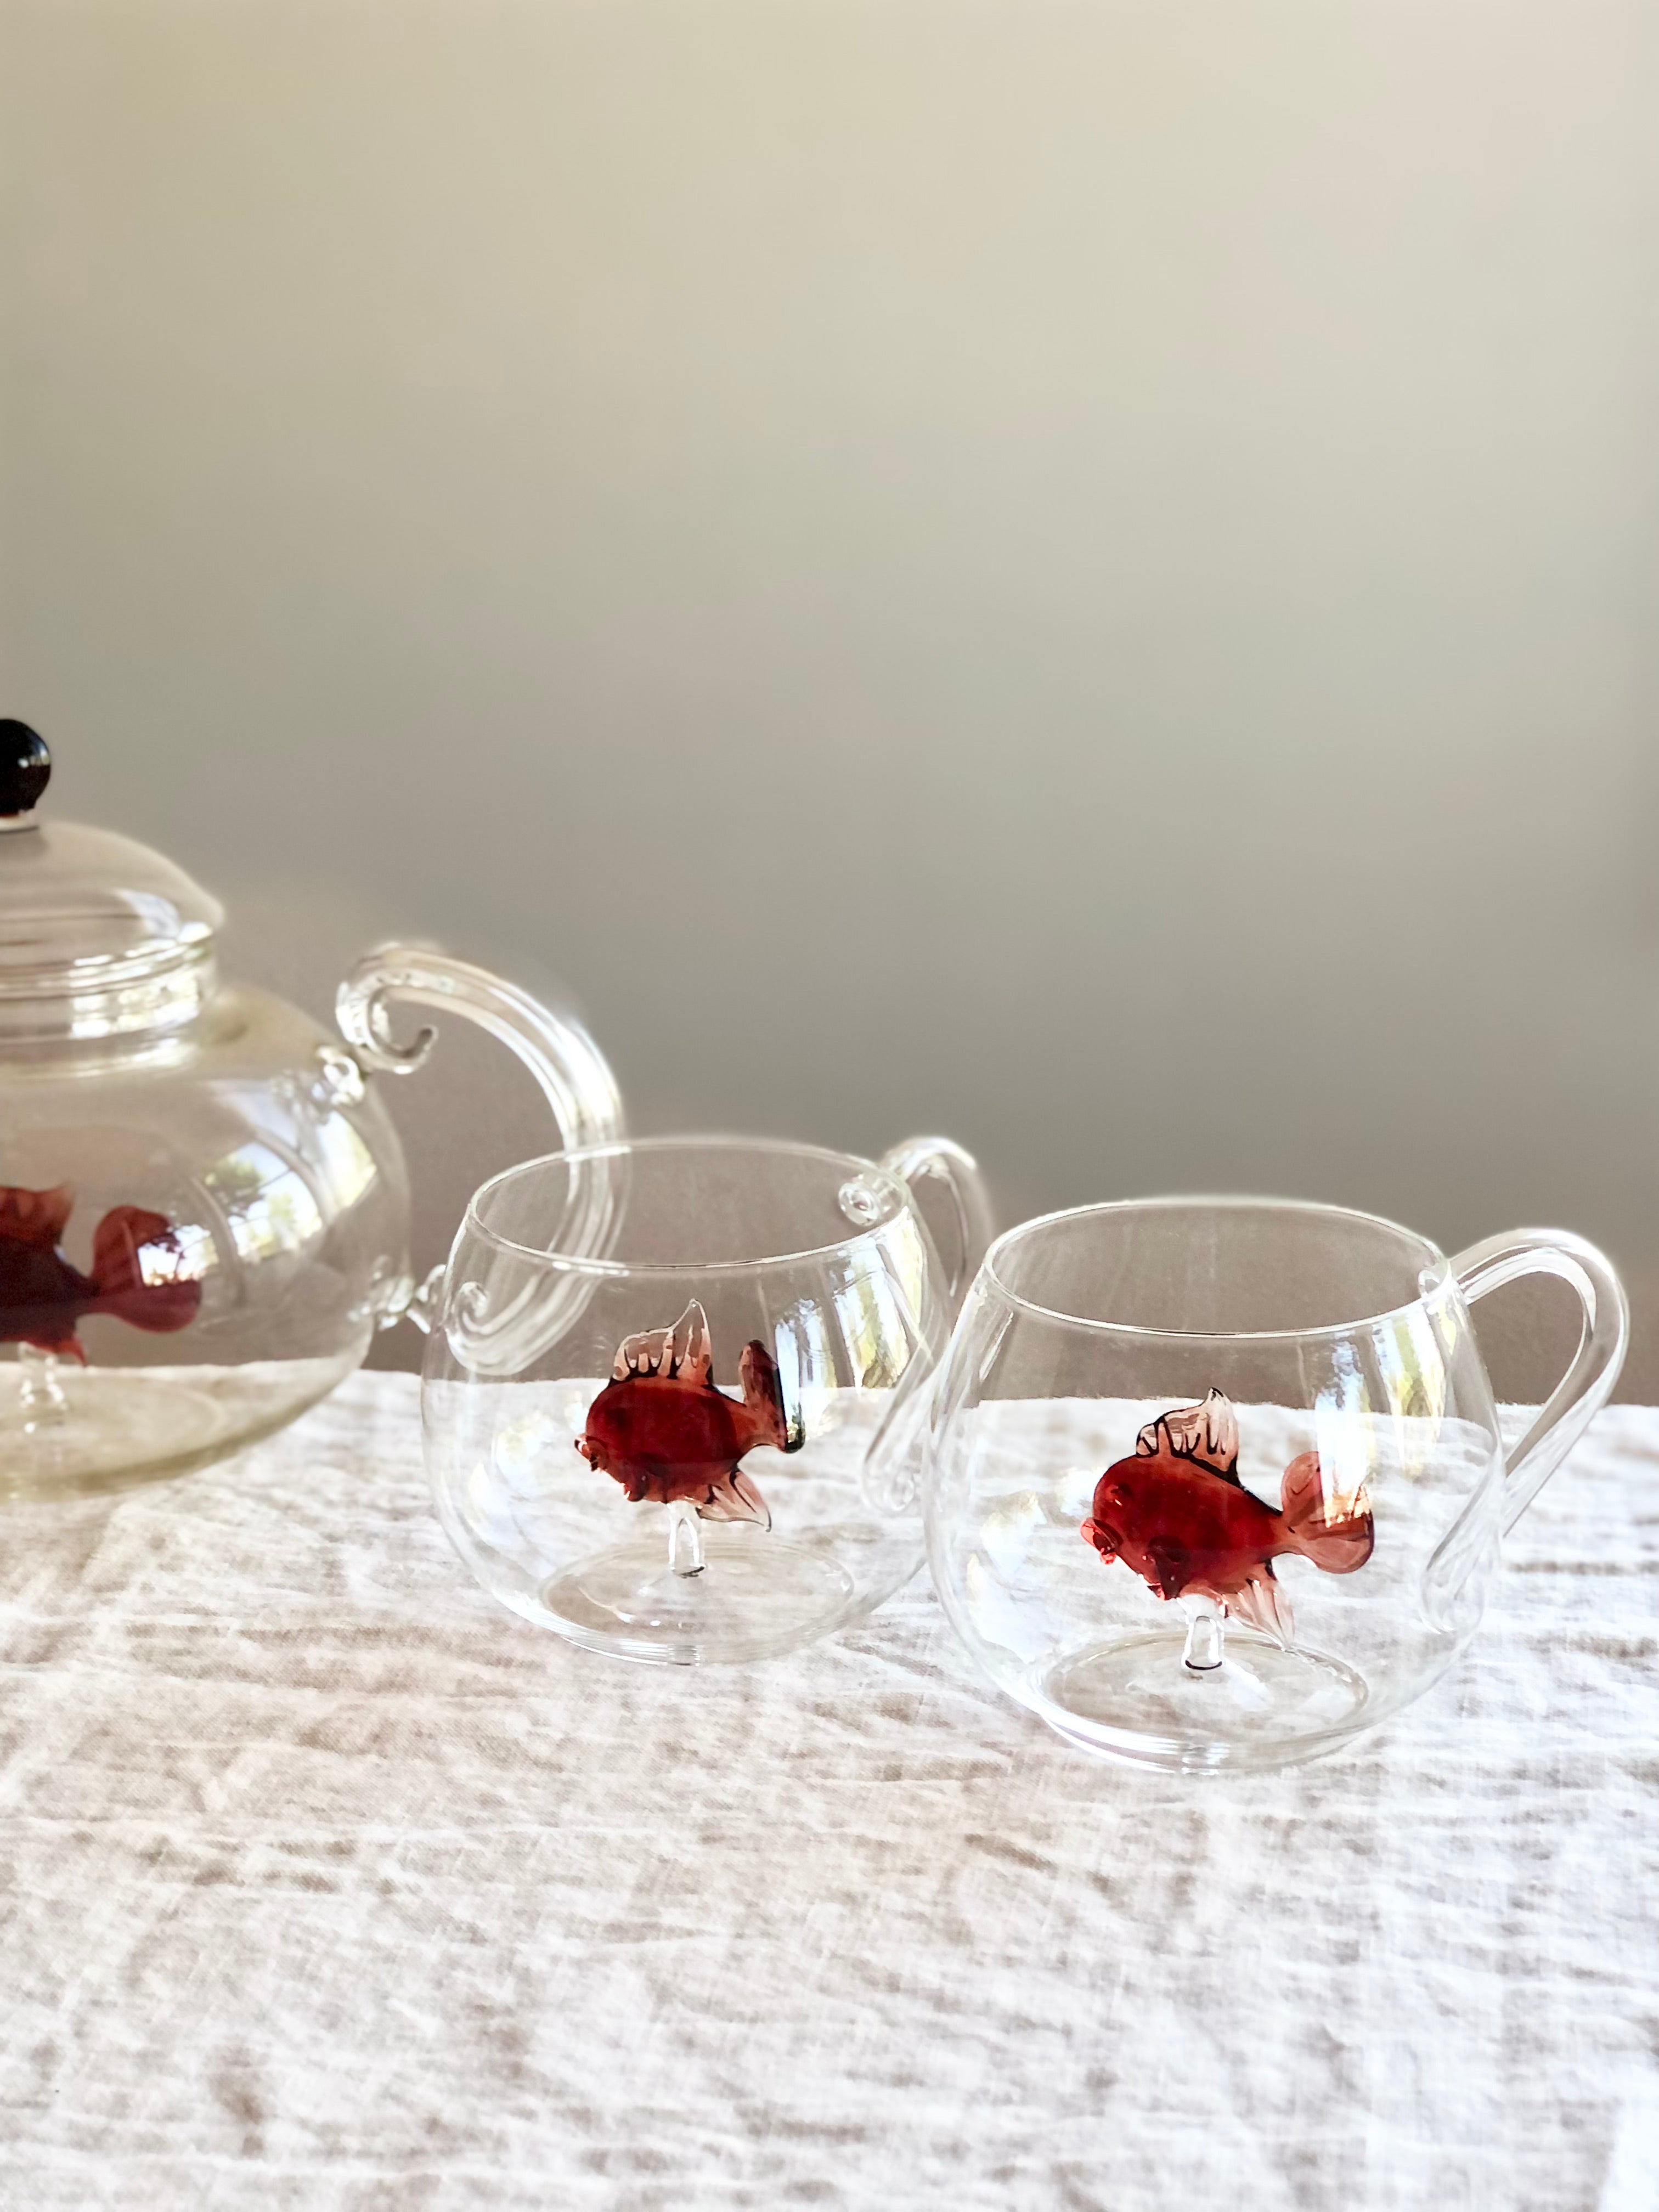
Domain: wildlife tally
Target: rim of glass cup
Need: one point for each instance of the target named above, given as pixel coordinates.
(579, 1263)
(1435, 1261)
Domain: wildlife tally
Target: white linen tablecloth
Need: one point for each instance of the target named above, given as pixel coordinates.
(328, 1884)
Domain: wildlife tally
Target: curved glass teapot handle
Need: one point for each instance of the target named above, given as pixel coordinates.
(574, 1074)
(1588, 1383)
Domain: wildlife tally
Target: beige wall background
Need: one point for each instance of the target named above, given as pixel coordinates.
(1081, 574)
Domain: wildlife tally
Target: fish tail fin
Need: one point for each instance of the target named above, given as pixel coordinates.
(762, 1394)
(160, 1300)
(1335, 1532)
(734, 1497)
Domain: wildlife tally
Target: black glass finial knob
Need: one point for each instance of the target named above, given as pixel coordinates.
(25, 767)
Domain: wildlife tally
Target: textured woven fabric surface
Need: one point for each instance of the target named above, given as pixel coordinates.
(326, 1884)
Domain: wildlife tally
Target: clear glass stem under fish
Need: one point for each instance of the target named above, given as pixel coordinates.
(42, 1406)
(1206, 1636)
(684, 1538)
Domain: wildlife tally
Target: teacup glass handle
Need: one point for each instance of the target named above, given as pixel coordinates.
(1588, 1383)
(892, 1464)
(936, 1159)
(574, 1076)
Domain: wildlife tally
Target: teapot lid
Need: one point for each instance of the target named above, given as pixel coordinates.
(100, 936)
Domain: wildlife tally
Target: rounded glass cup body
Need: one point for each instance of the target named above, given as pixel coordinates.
(811, 1281)
(1105, 1572)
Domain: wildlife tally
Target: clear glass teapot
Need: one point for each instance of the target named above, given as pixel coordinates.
(203, 1205)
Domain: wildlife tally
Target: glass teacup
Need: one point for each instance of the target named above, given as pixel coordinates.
(654, 1374)
(1217, 1483)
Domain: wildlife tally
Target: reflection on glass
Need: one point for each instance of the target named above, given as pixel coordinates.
(343, 1165)
(268, 1206)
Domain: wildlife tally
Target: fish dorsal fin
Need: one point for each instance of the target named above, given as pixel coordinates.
(643, 1354)
(38, 1218)
(682, 1353)
(1206, 1432)
(693, 1355)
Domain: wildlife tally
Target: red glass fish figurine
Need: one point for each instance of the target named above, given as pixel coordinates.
(135, 1256)
(663, 1428)
(1179, 1516)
